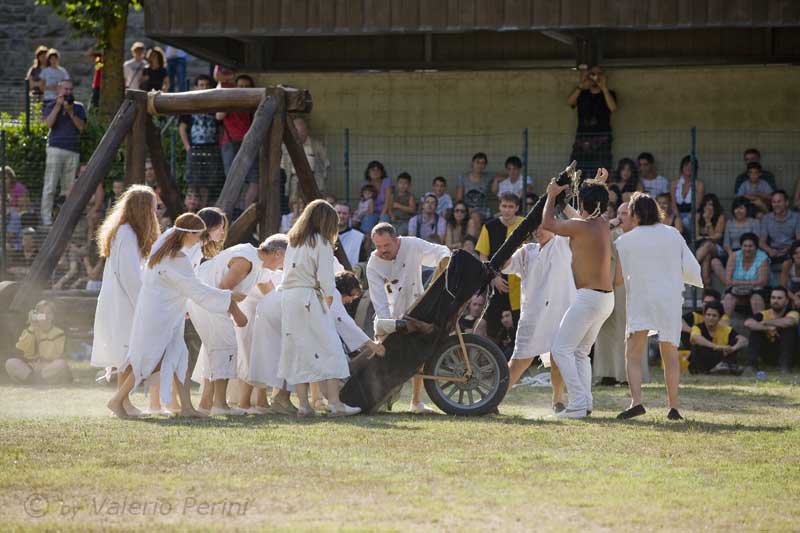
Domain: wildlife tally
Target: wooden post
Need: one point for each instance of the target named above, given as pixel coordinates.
(170, 194)
(136, 143)
(84, 188)
(241, 228)
(305, 177)
(246, 155)
(269, 180)
(214, 100)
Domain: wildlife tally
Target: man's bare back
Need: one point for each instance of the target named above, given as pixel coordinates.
(590, 241)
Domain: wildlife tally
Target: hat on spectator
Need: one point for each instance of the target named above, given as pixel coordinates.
(53, 52)
(137, 45)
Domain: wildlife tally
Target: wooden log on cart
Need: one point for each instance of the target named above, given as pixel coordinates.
(225, 100)
(169, 192)
(59, 236)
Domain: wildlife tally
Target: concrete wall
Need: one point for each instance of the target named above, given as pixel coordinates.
(431, 123)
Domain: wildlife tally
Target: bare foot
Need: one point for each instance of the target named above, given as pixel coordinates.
(118, 409)
(191, 413)
(130, 409)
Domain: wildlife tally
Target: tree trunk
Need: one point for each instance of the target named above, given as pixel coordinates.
(113, 87)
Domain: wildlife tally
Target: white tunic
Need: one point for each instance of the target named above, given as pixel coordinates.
(244, 336)
(394, 286)
(655, 264)
(217, 357)
(157, 330)
(548, 289)
(122, 280)
(351, 240)
(310, 347)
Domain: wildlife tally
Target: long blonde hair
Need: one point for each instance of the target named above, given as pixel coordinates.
(213, 217)
(174, 243)
(135, 207)
(318, 218)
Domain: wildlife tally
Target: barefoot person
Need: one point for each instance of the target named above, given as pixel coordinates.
(237, 268)
(548, 289)
(124, 240)
(394, 272)
(310, 348)
(655, 264)
(156, 342)
(590, 241)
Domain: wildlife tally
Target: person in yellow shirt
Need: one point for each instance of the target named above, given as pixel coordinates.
(42, 347)
(506, 288)
(714, 345)
(773, 332)
(695, 318)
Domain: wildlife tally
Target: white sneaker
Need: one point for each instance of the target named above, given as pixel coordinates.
(421, 409)
(342, 410)
(567, 413)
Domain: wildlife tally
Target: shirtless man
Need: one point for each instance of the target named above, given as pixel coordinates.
(590, 241)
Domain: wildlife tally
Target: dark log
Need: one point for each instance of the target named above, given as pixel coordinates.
(248, 152)
(242, 228)
(305, 178)
(214, 100)
(269, 186)
(136, 142)
(169, 192)
(59, 236)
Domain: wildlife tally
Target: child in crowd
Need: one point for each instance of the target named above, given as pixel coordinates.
(42, 346)
(404, 205)
(366, 205)
(439, 189)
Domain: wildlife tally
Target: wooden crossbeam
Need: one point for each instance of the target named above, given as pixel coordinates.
(214, 100)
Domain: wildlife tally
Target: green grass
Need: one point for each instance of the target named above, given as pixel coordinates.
(735, 463)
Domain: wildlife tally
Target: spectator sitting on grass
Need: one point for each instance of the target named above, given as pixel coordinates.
(695, 318)
(714, 346)
(790, 275)
(755, 188)
(746, 272)
(404, 205)
(752, 155)
(773, 332)
(42, 347)
(779, 229)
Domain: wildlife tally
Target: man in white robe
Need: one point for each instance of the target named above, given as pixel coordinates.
(394, 273)
(655, 265)
(350, 239)
(548, 289)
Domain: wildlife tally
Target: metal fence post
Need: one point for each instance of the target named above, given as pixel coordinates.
(3, 248)
(694, 203)
(27, 107)
(347, 164)
(172, 152)
(525, 169)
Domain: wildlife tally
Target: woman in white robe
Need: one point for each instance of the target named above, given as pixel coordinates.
(548, 289)
(310, 347)
(655, 265)
(124, 240)
(157, 332)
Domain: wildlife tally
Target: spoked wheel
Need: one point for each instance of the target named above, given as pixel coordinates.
(473, 395)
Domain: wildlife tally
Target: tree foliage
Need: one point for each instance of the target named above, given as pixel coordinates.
(93, 18)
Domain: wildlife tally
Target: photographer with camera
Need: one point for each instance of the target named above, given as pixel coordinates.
(595, 103)
(66, 118)
(42, 347)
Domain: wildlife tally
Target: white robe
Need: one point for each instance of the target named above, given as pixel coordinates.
(122, 280)
(394, 286)
(351, 241)
(655, 264)
(158, 323)
(217, 358)
(244, 336)
(310, 347)
(548, 289)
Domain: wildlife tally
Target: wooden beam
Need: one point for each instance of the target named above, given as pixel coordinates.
(560, 36)
(246, 156)
(305, 177)
(213, 100)
(269, 186)
(242, 228)
(136, 142)
(59, 236)
(169, 192)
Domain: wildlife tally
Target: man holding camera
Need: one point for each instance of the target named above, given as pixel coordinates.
(66, 118)
(595, 103)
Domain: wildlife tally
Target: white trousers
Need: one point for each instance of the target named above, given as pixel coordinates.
(576, 334)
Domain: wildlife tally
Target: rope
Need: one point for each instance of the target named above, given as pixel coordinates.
(151, 102)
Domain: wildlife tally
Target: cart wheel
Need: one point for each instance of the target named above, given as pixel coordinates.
(485, 389)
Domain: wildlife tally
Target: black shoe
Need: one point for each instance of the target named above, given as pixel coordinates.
(607, 382)
(557, 408)
(674, 415)
(636, 410)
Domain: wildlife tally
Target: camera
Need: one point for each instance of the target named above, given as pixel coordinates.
(37, 317)
(69, 99)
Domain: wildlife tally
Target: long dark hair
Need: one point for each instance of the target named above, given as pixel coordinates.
(213, 217)
(633, 182)
(375, 164)
(714, 199)
(451, 220)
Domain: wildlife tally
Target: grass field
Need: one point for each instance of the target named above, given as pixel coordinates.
(733, 464)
